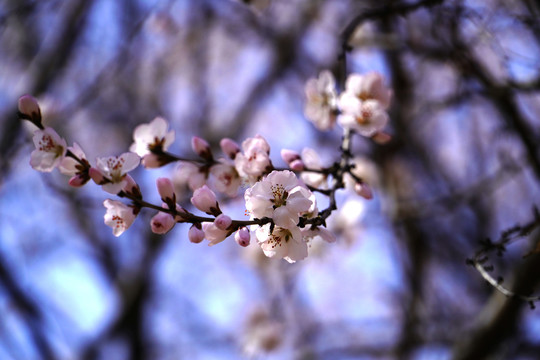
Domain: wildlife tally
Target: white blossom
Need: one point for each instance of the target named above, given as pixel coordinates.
(254, 161)
(50, 150)
(369, 86)
(115, 168)
(321, 103)
(225, 178)
(365, 117)
(119, 216)
(283, 243)
(153, 135)
(278, 196)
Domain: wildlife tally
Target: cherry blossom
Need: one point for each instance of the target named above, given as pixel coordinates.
(365, 117)
(278, 196)
(225, 178)
(115, 168)
(242, 237)
(369, 86)
(214, 234)
(312, 161)
(321, 103)
(162, 223)
(201, 147)
(49, 152)
(195, 233)
(189, 174)
(152, 138)
(255, 160)
(229, 147)
(223, 221)
(119, 216)
(281, 242)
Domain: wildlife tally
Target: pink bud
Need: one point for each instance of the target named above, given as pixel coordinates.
(223, 221)
(364, 190)
(152, 161)
(166, 189)
(97, 176)
(29, 107)
(201, 147)
(242, 236)
(289, 155)
(195, 234)
(381, 138)
(162, 223)
(131, 186)
(205, 200)
(229, 147)
(78, 180)
(296, 165)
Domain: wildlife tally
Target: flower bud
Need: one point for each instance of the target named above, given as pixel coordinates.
(166, 191)
(223, 221)
(381, 138)
(97, 176)
(205, 200)
(162, 223)
(297, 165)
(195, 234)
(131, 187)
(289, 155)
(78, 180)
(364, 190)
(242, 236)
(229, 147)
(29, 109)
(201, 147)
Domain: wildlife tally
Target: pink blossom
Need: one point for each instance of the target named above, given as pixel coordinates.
(255, 160)
(321, 101)
(289, 155)
(205, 200)
(49, 152)
(278, 196)
(284, 243)
(225, 178)
(152, 136)
(162, 223)
(118, 216)
(115, 168)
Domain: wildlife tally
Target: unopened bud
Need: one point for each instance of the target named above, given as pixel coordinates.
(195, 234)
(162, 223)
(242, 237)
(166, 191)
(201, 147)
(131, 187)
(364, 190)
(205, 200)
(223, 221)
(29, 109)
(289, 155)
(297, 165)
(79, 180)
(229, 147)
(97, 176)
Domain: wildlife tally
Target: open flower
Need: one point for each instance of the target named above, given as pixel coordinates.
(151, 139)
(321, 102)
(255, 160)
(225, 178)
(50, 150)
(365, 117)
(119, 216)
(278, 196)
(284, 243)
(115, 168)
(369, 86)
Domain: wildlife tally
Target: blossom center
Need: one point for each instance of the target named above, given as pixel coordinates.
(47, 144)
(280, 195)
(277, 237)
(365, 116)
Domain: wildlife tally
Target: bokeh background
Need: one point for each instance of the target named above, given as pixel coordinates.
(463, 165)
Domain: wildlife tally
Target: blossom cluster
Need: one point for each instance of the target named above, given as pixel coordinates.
(281, 204)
